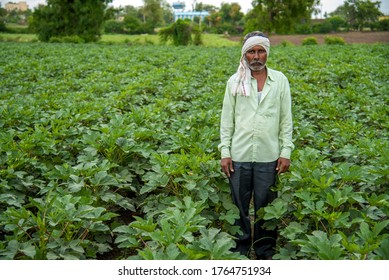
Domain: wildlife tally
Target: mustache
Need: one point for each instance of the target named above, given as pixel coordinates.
(256, 63)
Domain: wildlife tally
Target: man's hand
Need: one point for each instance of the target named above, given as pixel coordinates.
(226, 164)
(282, 165)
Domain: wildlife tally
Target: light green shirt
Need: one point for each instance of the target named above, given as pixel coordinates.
(257, 130)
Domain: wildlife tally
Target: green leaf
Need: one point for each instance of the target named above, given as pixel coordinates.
(144, 225)
(192, 254)
(275, 210)
(76, 185)
(10, 251)
(383, 250)
(28, 249)
(231, 216)
(319, 245)
(90, 212)
(365, 233)
(102, 178)
(173, 252)
(379, 227)
(293, 230)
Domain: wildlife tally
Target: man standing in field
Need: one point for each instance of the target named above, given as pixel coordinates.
(256, 139)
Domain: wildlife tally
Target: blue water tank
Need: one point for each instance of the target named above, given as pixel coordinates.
(178, 5)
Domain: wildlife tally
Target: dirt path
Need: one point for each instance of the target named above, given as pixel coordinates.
(349, 37)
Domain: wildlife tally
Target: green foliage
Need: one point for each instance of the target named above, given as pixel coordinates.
(2, 26)
(152, 14)
(286, 43)
(228, 18)
(75, 133)
(383, 25)
(107, 152)
(180, 33)
(309, 41)
(60, 18)
(114, 26)
(67, 39)
(359, 13)
(3, 13)
(55, 228)
(334, 40)
(336, 22)
(177, 232)
(331, 24)
(278, 16)
(139, 20)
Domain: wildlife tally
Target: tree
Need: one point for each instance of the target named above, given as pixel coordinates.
(3, 12)
(336, 22)
(133, 20)
(279, 16)
(231, 13)
(167, 13)
(229, 18)
(360, 13)
(62, 18)
(205, 7)
(152, 14)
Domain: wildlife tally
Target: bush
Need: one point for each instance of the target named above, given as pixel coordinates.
(336, 22)
(309, 41)
(334, 40)
(383, 25)
(114, 26)
(322, 28)
(2, 26)
(286, 43)
(303, 28)
(133, 25)
(180, 33)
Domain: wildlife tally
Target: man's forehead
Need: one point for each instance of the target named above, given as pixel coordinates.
(257, 47)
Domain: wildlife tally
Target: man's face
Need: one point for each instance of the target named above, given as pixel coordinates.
(256, 58)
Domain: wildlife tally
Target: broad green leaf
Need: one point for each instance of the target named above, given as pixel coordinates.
(275, 210)
(28, 249)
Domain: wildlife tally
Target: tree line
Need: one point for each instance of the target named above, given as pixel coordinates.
(88, 19)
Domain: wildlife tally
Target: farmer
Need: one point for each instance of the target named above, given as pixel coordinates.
(256, 139)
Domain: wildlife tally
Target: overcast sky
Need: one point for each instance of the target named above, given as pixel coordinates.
(327, 5)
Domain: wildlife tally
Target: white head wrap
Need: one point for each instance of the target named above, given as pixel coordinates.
(243, 75)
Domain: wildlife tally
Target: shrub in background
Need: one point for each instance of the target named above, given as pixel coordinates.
(309, 41)
(180, 33)
(334, 40)
(286, 43)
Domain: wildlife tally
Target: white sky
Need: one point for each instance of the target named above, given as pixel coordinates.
(327, 5)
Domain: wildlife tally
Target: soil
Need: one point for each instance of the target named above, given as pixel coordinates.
(349, 37)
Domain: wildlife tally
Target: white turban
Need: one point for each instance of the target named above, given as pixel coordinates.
(243, 75)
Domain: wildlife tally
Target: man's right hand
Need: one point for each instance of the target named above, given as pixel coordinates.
(227, 167)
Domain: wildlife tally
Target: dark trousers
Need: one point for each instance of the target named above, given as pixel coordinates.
(256, 179)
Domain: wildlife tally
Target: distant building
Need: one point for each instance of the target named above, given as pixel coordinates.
(180, 13)
(190, 15)
(20, 6)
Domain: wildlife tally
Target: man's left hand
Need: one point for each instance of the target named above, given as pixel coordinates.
(282, 165)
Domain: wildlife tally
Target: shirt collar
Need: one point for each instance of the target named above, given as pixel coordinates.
(270, 74)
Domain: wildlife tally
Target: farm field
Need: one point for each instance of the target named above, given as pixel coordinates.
(209, 40)
(216, 40)
(110, 152)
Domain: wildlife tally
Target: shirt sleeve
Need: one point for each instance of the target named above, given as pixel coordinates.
(227, 123)
(286, 122)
